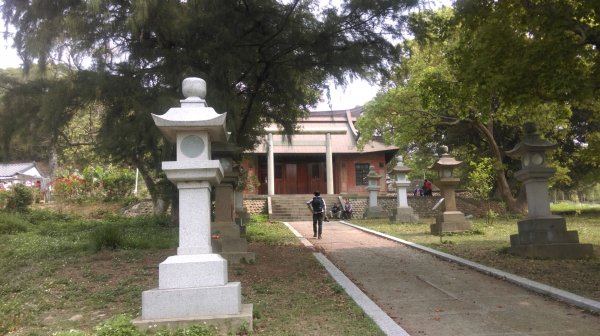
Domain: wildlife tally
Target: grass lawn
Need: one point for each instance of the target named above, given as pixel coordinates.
(487, 244)
(61, 276)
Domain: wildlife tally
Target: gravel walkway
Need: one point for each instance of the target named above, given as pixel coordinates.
(429, 296)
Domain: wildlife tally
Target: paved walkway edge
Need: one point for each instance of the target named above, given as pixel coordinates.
(383, 321)
(559, 294)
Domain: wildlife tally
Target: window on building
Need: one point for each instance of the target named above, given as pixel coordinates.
(362, 170)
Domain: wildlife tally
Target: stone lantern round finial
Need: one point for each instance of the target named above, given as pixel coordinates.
(193, 87)
(530, 128)
(443, 149)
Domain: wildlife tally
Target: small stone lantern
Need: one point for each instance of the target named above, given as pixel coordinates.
(193, 286)
(541, 234)
(450, 219)
(374, 210)
(404, 213)
(231, 245)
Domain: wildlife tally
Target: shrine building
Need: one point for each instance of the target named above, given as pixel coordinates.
(322, 156)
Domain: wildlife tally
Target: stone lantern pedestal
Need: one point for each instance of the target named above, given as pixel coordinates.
(229, 243)
(193, 285)
(541, 234)
(404, 213)
(450, 219)
(374, 210)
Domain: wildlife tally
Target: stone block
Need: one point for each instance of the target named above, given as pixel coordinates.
(376, 212)
(239, 257)
(406, 215)
(542, 224)
(544, 237)
(185, 303)
(226, 324)
(554, 251)
(187, 271)
(450, 221)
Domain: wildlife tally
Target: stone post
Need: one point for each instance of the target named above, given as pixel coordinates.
(227, 239)
(450, 220)
(193, 285)
(270, 166)
(541, 234)
(374, 210)
(241, 214)
(329, 164)
(404, 213)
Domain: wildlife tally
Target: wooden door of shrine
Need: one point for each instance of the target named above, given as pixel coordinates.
(316, 175)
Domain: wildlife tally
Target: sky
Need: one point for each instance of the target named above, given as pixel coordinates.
(356, 93)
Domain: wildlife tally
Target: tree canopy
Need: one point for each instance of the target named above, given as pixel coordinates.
(475, 73)
(264, 61)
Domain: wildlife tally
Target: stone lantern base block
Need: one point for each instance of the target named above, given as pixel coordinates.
(186, 303)
(226, 324)
(554, 251)
(406, 215)
(231, 245)
(196, 270)
(543, 231)
(450, 221)
(241, 218)
(376, 212)
(547, 237)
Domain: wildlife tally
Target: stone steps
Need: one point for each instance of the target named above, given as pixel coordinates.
(293, 207)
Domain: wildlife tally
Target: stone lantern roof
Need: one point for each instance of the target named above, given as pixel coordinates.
(372, 175)
(400, 167)
(193, 115)
(531, 142)
(446, 160)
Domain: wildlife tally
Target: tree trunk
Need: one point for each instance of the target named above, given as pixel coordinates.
(160, 200)
(52, 161)
(512, 204)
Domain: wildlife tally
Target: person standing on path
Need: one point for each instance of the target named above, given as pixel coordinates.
(317, 207)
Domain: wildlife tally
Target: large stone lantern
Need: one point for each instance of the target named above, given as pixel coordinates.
(193, 285)
(373, 187)
(450, 219)
(541, 234)
(404, 213)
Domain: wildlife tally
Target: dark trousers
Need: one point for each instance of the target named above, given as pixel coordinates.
(317, 223)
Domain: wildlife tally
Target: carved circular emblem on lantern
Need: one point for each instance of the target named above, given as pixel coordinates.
(532, 149)
(192, 146)
(537, 159)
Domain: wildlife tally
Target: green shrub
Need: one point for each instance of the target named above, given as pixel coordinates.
(106, 236)
(120, 325)
(40, 216)
(20, 198)
(11, 224)
(259, 229)
(118, 183)
(71, 332)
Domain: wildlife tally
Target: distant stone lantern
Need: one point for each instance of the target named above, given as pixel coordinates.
(541, 234)
(231, 244)
(450, 219)
(373, 187)
(193, 286)
(404, 213)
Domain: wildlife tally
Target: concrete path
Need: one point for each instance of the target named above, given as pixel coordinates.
(429, 296)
